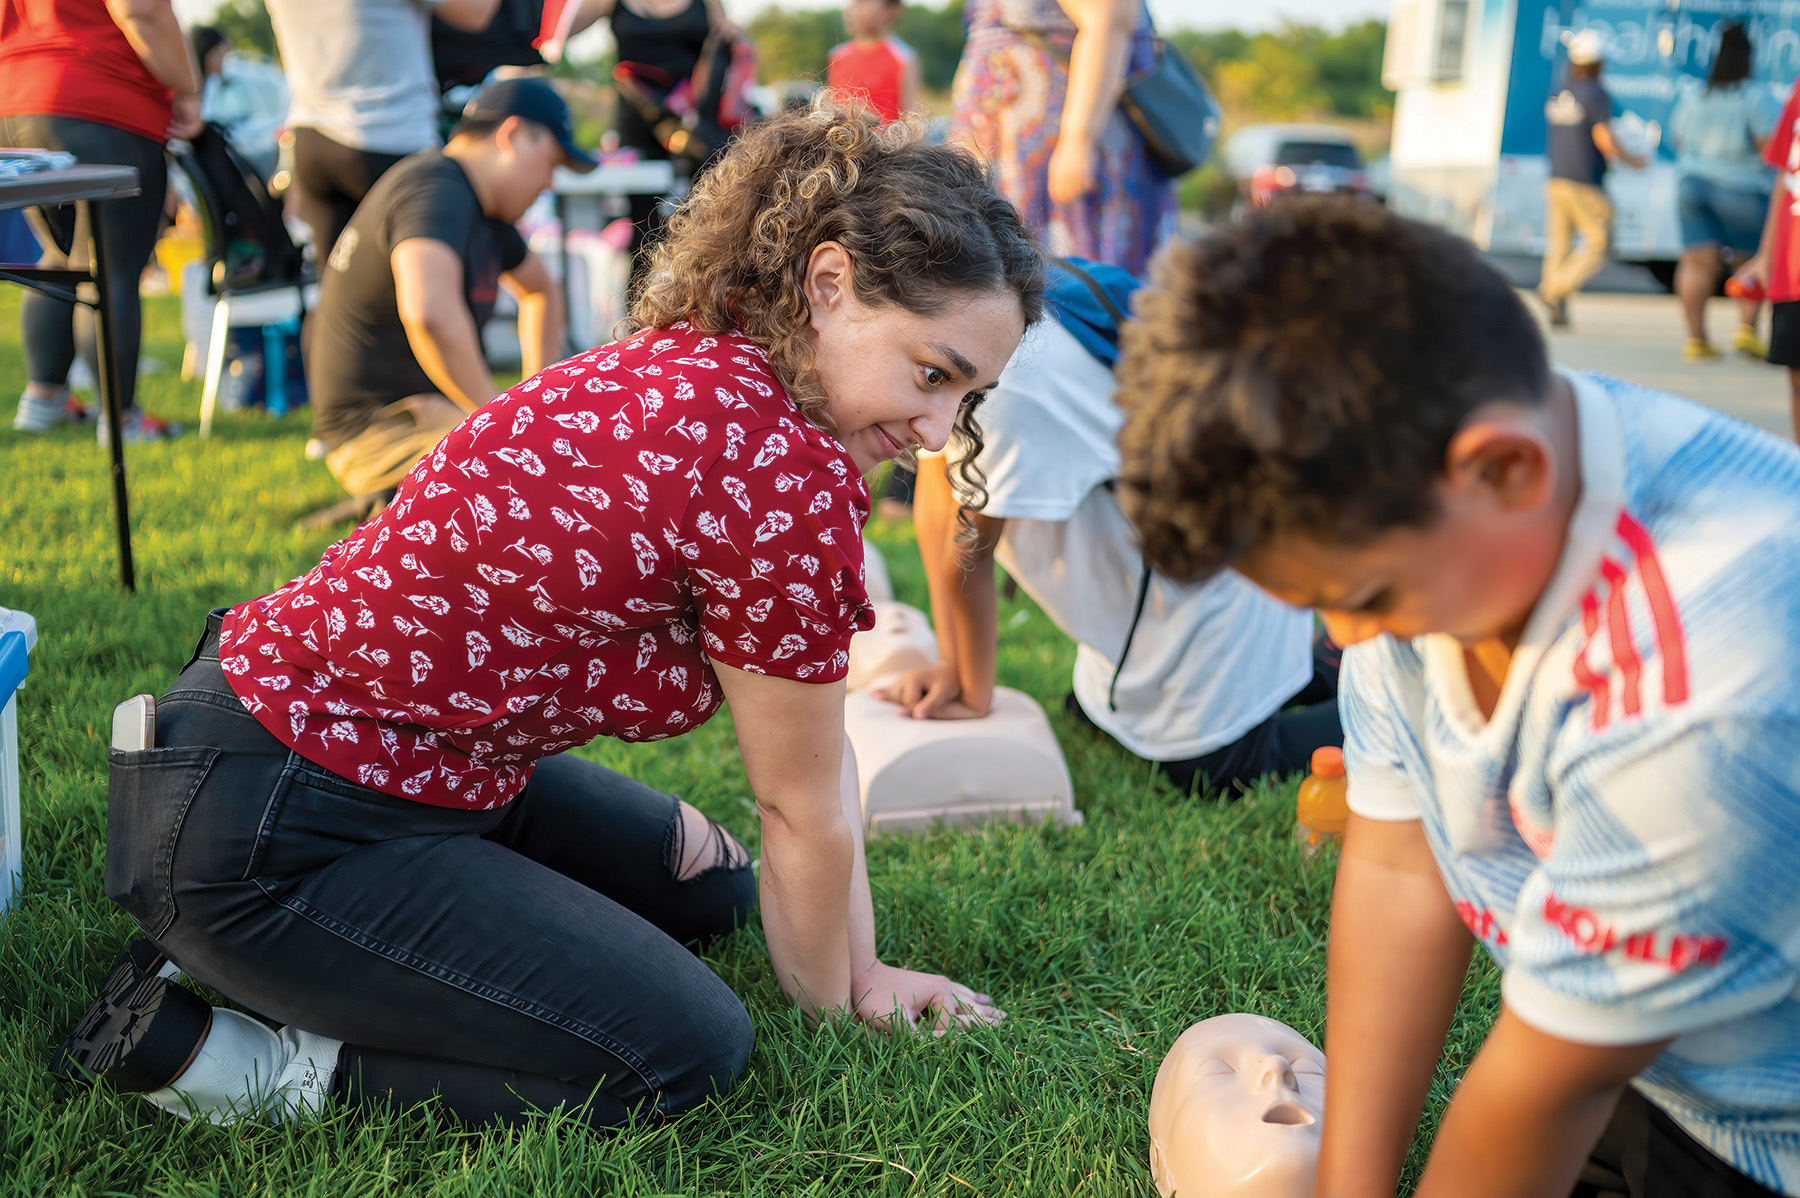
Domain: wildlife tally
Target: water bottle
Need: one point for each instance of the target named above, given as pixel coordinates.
(1322, 808)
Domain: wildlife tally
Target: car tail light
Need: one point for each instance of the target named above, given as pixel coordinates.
(1272, 178)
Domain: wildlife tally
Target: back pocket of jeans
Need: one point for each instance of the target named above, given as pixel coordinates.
(148, 793)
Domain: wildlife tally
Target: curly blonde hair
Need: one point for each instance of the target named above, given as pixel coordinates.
(920, 222)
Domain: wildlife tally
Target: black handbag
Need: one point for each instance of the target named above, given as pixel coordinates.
(1173, 109)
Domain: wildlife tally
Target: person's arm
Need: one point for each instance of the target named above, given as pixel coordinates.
(540, 313)
(428, 289)
(1395, 965)
(1757, 265)
(153, 31)
(473, 16)
(817, 912)
(1528, 1113)
(586, 13)
(911, 86)
(718, 22)
(1097, 60)
(1607, 144)
(964, 606)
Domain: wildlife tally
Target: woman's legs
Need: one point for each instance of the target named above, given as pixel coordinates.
(1696, 275)
(449, 961)
(131, 227)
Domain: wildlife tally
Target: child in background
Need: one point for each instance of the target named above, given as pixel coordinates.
(1570, 700)
(1776, 265)
(874, 66)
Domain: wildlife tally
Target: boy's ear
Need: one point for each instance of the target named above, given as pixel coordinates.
(1508, 462)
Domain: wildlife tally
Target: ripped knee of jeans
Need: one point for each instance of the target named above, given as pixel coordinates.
(696, 846)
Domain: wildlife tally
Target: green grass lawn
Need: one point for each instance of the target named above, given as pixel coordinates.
(1103, 941)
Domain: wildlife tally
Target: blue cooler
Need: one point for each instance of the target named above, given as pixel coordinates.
(18, 634)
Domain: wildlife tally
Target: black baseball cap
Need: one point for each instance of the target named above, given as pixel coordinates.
(532, 100)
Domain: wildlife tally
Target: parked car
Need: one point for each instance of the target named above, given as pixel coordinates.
(1271, 160)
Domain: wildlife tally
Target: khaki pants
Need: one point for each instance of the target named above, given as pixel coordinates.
(1571, 207)
(377, 458)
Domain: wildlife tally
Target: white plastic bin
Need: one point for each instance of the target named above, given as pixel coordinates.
(18, 635)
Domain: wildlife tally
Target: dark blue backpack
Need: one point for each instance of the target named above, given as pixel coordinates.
(1090, 300)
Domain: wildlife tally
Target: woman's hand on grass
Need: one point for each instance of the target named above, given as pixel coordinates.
(889, 998)
(930, 693)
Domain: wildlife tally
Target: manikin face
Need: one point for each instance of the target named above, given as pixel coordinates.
(1236, 1111)
(895, 379)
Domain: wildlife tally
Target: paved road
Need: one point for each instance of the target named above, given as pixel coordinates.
(1639, 337)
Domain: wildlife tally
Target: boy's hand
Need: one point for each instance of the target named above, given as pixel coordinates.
(930, 693)
(1528, 1113)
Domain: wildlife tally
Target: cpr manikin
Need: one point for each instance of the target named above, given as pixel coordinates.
(916, 773)
(1236, 1111)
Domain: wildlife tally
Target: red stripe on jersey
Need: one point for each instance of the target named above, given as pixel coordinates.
(1585, 677)
(1671, 641)
(1618, 629)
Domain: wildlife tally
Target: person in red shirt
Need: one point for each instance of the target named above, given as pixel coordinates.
(109, 81)
(1776, 263)
(361, 817)
(874, 66)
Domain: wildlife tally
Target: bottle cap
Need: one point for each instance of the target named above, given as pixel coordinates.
(1328, 762)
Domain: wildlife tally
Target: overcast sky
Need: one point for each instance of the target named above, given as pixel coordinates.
(1170, 14)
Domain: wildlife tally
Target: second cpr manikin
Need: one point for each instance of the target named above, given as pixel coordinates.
(1236, 1111)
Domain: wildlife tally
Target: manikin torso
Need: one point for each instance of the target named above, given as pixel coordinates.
(1236, 1111)
(918, 773)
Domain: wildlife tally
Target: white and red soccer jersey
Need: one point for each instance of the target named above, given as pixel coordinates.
(566, 564)
(1622, 835)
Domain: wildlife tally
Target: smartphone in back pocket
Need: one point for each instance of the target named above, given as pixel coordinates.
(134, 724)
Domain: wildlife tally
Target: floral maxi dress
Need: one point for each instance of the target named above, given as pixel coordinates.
(1008, 97)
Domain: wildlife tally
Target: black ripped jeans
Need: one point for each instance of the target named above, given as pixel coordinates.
(504, 960)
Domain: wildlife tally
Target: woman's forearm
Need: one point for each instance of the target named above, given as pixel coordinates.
(861, 911)
(155, 36)
(805, 885)
(1096, 65)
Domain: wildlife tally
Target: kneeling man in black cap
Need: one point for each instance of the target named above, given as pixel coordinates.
(396, 358)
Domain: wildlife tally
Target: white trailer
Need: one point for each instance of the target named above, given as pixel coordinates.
(1471, 78)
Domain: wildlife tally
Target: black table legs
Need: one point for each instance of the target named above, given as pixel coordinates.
(111, 386)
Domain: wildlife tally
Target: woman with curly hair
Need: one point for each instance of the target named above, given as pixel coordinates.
(360, 817)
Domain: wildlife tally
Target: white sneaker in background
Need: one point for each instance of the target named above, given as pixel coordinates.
(41, 415)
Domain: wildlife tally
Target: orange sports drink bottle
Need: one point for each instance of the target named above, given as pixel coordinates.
(1323, 807)
(1745, 287)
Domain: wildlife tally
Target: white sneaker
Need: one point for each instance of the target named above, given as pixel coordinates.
(41, 415)
(244, 1070)
(145, 1035)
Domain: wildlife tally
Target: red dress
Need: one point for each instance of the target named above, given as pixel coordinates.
(567, 564)
(68, 58)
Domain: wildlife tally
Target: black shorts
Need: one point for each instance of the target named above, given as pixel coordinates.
(1784, 334)
(1645, 1154)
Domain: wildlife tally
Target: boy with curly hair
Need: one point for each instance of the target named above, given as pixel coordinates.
(1570, 701)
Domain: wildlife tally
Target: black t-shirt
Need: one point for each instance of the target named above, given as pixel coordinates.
(360, 360)
(1569, 120)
